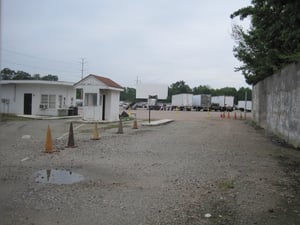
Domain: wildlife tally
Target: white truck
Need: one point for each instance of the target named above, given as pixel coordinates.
(243, 104)
(182, 102)
(222, 103)
(201, 102)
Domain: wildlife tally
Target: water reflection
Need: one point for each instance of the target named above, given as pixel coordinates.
(56, 176)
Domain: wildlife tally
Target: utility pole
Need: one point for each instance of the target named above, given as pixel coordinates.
(82, 65)
(1, 47)
(137, 81)
(1, 39)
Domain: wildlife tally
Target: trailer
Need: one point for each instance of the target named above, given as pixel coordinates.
(222, 103)
(182, 102)
(245, 104)
(201, 102)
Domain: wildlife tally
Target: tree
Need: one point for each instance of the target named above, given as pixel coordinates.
(21, 75)
(128, 94)
(178, 88)
(36, 77)
(241, 94)
(202, 89)
(50, 77)
(7, 74)
(272, 40)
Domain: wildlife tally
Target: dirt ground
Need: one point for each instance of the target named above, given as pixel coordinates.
(199, 169)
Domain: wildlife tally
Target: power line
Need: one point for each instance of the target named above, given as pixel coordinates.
(137, 81)
(38, 64)
(5, 50)
(35, 66)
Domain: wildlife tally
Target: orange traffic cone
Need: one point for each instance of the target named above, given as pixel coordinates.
(71, 142)
(135, 126)
(48, 145)
(120, 129)
(95, 133)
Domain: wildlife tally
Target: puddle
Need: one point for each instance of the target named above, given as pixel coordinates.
(56, 176)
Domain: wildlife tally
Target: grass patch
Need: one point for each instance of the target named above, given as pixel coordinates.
(111, 126)
(85, 131)
(12, 117)
(226, 185)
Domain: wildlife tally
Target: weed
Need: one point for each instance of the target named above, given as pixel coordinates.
(12, 117)
(226, 185)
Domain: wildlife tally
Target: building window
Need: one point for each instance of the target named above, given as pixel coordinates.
(52, 101)
(90, 99)
(60, 101)
(48, 101)
(79, 93)
(44, 100)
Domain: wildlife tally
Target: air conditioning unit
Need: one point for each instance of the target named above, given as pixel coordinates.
(43, 106)
(5, 100)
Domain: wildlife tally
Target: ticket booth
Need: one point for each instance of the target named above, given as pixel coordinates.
(100, 98)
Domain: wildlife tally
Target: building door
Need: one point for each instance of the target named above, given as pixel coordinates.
(103, 107)
(27, 104)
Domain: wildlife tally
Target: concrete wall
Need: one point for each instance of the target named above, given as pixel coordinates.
(276, 104)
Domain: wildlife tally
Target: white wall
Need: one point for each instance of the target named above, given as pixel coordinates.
(7, 92)
(15, 93)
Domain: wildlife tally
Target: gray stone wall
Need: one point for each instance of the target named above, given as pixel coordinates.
(276, 104)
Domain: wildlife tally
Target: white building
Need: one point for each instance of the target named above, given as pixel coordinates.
(100, 98)
(36, 97)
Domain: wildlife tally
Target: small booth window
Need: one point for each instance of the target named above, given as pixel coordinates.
(90, 99)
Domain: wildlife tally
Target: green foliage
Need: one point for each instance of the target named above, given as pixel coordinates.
(202, 89)
(21, 75)
(272, 40)
(128, 94)
(240, 95)
(8, 74)
(50, 77)
(178, 88)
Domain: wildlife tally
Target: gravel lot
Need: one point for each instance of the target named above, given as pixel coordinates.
(199, 169)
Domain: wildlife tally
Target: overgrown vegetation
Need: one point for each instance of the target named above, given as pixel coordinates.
(272, 41)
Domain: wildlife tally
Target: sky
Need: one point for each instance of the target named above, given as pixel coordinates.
(144, 41)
